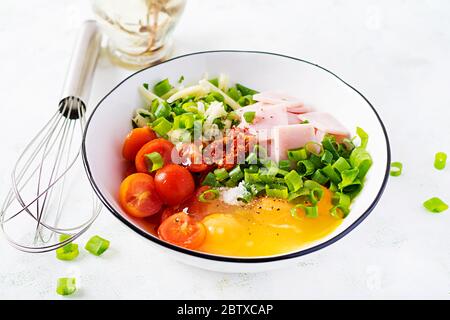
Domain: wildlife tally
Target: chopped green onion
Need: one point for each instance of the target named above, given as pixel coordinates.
(245, 100)
(339, 212)
(305, 167)
(353, 188)
(234, 94)
(435, 205)
(230, 183)
(341, 199)
(214, 81)
(327, 157)
(221, 174)
(250, 177)
(341, 165)
(256, 188)
(329, 171)
(252, 158)
(348, 176)
(363, 136)
(316, 195)
(155, 160)
(310, 184)
(310, 212)
(303, 192)
(63, 237)
(66, 286)
(316, 160)
(236, 174)
(284, 165)
(293, 181)
(162, 87)
(181, 79)
(210, 180)
(67, 252)
(161, 126)
(440, 160)
(396, 169)
(246, 197)
(209, 195)
(361, 159)
(329, 144)
(97, 245)
(145, 85)
(214, 96)
(253, 168)
(319, 177)
(277, 191)
(244, 90)
(249, 116)
(312, 147)
(162, 111)
(333, 187)
(297, 154)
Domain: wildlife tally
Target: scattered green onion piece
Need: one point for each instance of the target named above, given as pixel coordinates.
(209, 195)
(329, 171)
(440, 160)
(161, 126)
(246, 197)
(339, 212)
(435, 205)
(252, 158)
(341, 165)
(310, 212)
(277, 191)
(97, 245)
(253, 168)
(293, 181)
(348, 176)
(319, 177)
(316, 195)
(162, 111)
(396, 169)
(305, 167)
(312, 147)
(162, 87)
(155, 160)
(67, 252)
(214, 81)
(245, 91)
(297, 154)
(66, 286)
(230, 183)
(284, 165)
(236, 174)
(333, 187)
(249, 116)
(181, 79)
(327, 157)
(353, 188)
(245, 101)
(145, 85)
(63, 237)
(214, 96)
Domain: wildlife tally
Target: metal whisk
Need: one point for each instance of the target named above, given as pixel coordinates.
(39, 206)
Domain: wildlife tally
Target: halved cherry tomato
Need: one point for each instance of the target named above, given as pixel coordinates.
(174, 184)
(162, 146)
(138, 196)
(135, 140)
(182, 230)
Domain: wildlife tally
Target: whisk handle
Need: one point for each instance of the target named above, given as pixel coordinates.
(82, 64)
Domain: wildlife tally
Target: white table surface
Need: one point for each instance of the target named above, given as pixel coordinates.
(395, 52)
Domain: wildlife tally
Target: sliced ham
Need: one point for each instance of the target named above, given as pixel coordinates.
(287, 137)
(273, 97)
(267, 116)
(324, 122)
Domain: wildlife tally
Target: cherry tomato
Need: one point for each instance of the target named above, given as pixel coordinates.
(174, 184)
(182, 230)
(135, 140)
(162, 146)
(138, 196)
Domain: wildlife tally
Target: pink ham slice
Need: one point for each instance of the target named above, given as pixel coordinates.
(324, 122)
(267, 116)
(291, 104)
(292, 136)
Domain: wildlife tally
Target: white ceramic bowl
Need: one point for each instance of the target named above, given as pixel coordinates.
(316, 86)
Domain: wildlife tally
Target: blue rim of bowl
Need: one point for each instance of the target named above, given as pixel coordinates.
(229, 258)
